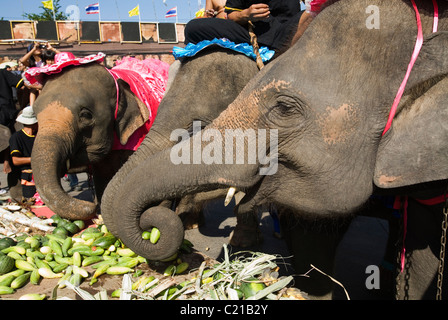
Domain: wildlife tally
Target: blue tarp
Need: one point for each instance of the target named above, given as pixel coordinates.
(191, 49)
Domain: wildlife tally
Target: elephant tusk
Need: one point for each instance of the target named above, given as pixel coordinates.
(229, 196)
(239, 196)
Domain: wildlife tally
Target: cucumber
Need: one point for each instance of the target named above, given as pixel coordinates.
(91, 260)
(33, 296)
(155, 235)
(94, 251)
(24, 265)
(146, 235)
(71, 228)
(6, 281)
(18, 249)
(35, 277)
(181, 267)
(105, 242)
(6, 290)
(66, 245)
(20, 281)
(6, 264)
(60, 231)
(118, 270)
(81, 224)
(251, 286)
(56, 247)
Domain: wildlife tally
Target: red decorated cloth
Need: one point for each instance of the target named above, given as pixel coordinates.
(147, 80)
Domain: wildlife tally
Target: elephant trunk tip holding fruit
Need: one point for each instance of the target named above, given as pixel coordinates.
(171, 233)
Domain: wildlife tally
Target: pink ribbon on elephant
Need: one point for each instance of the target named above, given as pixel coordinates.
(147, 79)
(417, 48)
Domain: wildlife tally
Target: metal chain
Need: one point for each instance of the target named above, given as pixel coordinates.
(442, 251)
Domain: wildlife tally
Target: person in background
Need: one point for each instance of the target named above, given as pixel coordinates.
(213, 9)
(313, 7)
(8, 111)
(21, 146)
(35, 58)
(48, 56)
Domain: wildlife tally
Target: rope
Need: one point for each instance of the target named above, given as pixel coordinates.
(254, 42)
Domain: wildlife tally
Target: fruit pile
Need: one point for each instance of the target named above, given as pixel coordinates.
(65, 253)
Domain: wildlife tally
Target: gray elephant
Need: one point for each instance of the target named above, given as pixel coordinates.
(326, 103)
(81, 118)
(202, 88)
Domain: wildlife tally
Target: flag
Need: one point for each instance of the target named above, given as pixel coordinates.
(93, 8)
(48, 4)
(171, 13)
(135, 11)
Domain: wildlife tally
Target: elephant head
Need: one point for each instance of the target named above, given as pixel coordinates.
(77, 123)
(202, 88)
(324, 103)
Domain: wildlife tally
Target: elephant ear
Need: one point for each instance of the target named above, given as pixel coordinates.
(414, 150)
(132, 113)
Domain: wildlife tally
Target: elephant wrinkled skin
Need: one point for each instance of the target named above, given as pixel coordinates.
(77, 124)
(329, 98)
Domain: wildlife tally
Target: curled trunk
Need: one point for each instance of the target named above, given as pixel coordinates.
(163, 179)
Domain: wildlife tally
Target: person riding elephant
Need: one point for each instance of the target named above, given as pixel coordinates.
(273, 22)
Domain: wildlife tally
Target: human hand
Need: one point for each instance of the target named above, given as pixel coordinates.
(258, 11)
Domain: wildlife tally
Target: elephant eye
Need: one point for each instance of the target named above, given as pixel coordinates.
(85, 114)
(285, 111)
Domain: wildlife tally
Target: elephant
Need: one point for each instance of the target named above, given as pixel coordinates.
(204, 85)
(77, 125)
(322, 107)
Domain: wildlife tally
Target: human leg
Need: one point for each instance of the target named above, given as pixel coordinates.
(198, 30)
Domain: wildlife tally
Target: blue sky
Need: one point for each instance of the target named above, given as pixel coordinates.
(111, 10)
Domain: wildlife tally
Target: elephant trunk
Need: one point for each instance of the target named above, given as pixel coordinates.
(163, 180)
(152, 143)
(197, 164)
(49, 164)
